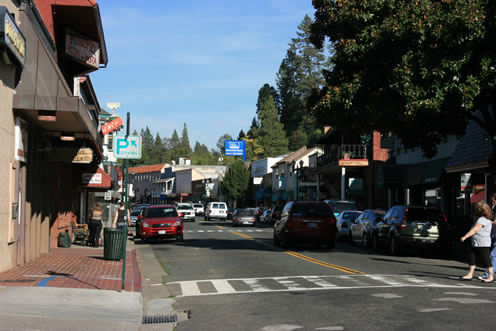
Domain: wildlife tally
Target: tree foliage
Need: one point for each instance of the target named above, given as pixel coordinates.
(236, 180)
(418, 68)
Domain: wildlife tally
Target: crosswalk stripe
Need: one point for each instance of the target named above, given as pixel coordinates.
(223, 286)
(294, 283)
(190, 288)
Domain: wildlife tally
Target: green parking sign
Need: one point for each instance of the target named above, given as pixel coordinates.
(127, 147)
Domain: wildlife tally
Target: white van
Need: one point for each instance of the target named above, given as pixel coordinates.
(216, 210)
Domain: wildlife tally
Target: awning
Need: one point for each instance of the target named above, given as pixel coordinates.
(434, 170)
(479, 196)
(96, 179)
(263, 193)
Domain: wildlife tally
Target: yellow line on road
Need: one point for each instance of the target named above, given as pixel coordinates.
(219, 227)
(325, 264)
(243, 235)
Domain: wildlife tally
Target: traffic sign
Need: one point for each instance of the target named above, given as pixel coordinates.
(127, 147)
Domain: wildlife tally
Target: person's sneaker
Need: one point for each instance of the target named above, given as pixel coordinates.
(481, 278)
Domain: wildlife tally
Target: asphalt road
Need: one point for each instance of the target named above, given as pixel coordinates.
(236, 279)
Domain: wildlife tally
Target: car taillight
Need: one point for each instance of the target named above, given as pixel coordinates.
(404, 223)
(332, 220)
(238, 219)
(445, 218)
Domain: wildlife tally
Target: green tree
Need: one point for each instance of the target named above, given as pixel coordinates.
(419, 68)
(241, 135)
(236, 180)
(174, 141)
(271, 136)
(220, 143)
(185, 140)
(300, 73)
(253, 131)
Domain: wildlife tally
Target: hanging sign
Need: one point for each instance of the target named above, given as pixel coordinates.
(112, 126)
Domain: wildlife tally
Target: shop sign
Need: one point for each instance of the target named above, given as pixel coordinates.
(112, 125)
(92, 178)
(11, 38)
(465, 184)
(354, 163)
(82, 48)
(84, 155)
(107, 196)
(21, 140)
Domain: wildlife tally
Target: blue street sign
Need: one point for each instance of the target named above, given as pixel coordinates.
(235, 148)
(127, 147)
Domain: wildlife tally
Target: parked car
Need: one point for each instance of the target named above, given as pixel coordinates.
(160, 222)
(199, 208)
(275, 213)
(265, 217)
(341, 205)
(412, 227)
(134, 215)
(216, 210)
(305, 221)
(344, 220)
(364, 225)
(186, 211)
(245, 216)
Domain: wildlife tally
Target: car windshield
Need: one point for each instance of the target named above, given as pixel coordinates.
(185, 206)
(161, 212)
(350, 215)
(419, 214)
(278, 209)
(319, 210)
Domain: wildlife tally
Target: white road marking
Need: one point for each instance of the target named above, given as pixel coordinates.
(282, 327)
(386, 295)
(190, 288)
(255, 285)
(432, 310)
(331, 328)
(459, 293)
(319, 281)
(465, 300)
(338, 282)
(201, 231)
(223, 286)
(290, 284)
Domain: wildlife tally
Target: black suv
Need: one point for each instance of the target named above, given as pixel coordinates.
(412, 227)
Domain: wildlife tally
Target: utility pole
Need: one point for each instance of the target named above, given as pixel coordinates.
(126, 201)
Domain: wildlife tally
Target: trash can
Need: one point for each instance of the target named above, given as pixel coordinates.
(113, 240)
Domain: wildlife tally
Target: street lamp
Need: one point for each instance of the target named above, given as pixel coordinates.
(297, 170)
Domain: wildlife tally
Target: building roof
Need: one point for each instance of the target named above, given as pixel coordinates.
(147, 168)
(296, 155)
(473, 151)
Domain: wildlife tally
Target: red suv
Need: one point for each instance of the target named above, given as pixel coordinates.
(160, 222)
(307, 221)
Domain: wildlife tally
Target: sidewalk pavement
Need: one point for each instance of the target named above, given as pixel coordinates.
(75, 288)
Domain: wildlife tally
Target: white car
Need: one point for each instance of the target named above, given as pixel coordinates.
(199, 209)
(216, 210)
(186, 211)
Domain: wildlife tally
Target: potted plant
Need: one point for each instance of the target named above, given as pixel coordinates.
(347, 155)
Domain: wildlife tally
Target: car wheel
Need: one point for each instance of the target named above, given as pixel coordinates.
(276, 241)
(364, 240)
(180, 239)
(375, 244)
(350, 239)
(394, 246)
(285, 242)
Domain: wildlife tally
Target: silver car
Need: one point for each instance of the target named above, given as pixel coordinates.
(344, 221)
(244, 217)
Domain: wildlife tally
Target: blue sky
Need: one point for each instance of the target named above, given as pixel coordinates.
(193, 61)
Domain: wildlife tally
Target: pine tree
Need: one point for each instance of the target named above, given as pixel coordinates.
(185, 140)
(271, 136)
(174, 141)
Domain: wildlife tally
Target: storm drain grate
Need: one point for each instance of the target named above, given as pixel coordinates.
(156, 319)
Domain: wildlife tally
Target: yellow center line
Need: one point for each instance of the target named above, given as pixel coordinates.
(306, 258)
(219, 227)
(325, 264)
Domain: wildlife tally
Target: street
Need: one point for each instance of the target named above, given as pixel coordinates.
(236, 279)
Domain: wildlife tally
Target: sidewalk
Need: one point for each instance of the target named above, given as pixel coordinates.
(75, 288)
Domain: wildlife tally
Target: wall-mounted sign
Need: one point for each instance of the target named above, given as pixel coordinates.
(354, 163)
(84, 155)
(82, 49)
(465, 182)
(11, 38)
(112, 125)
(235, 148)
(21, 140)
(92, 178)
